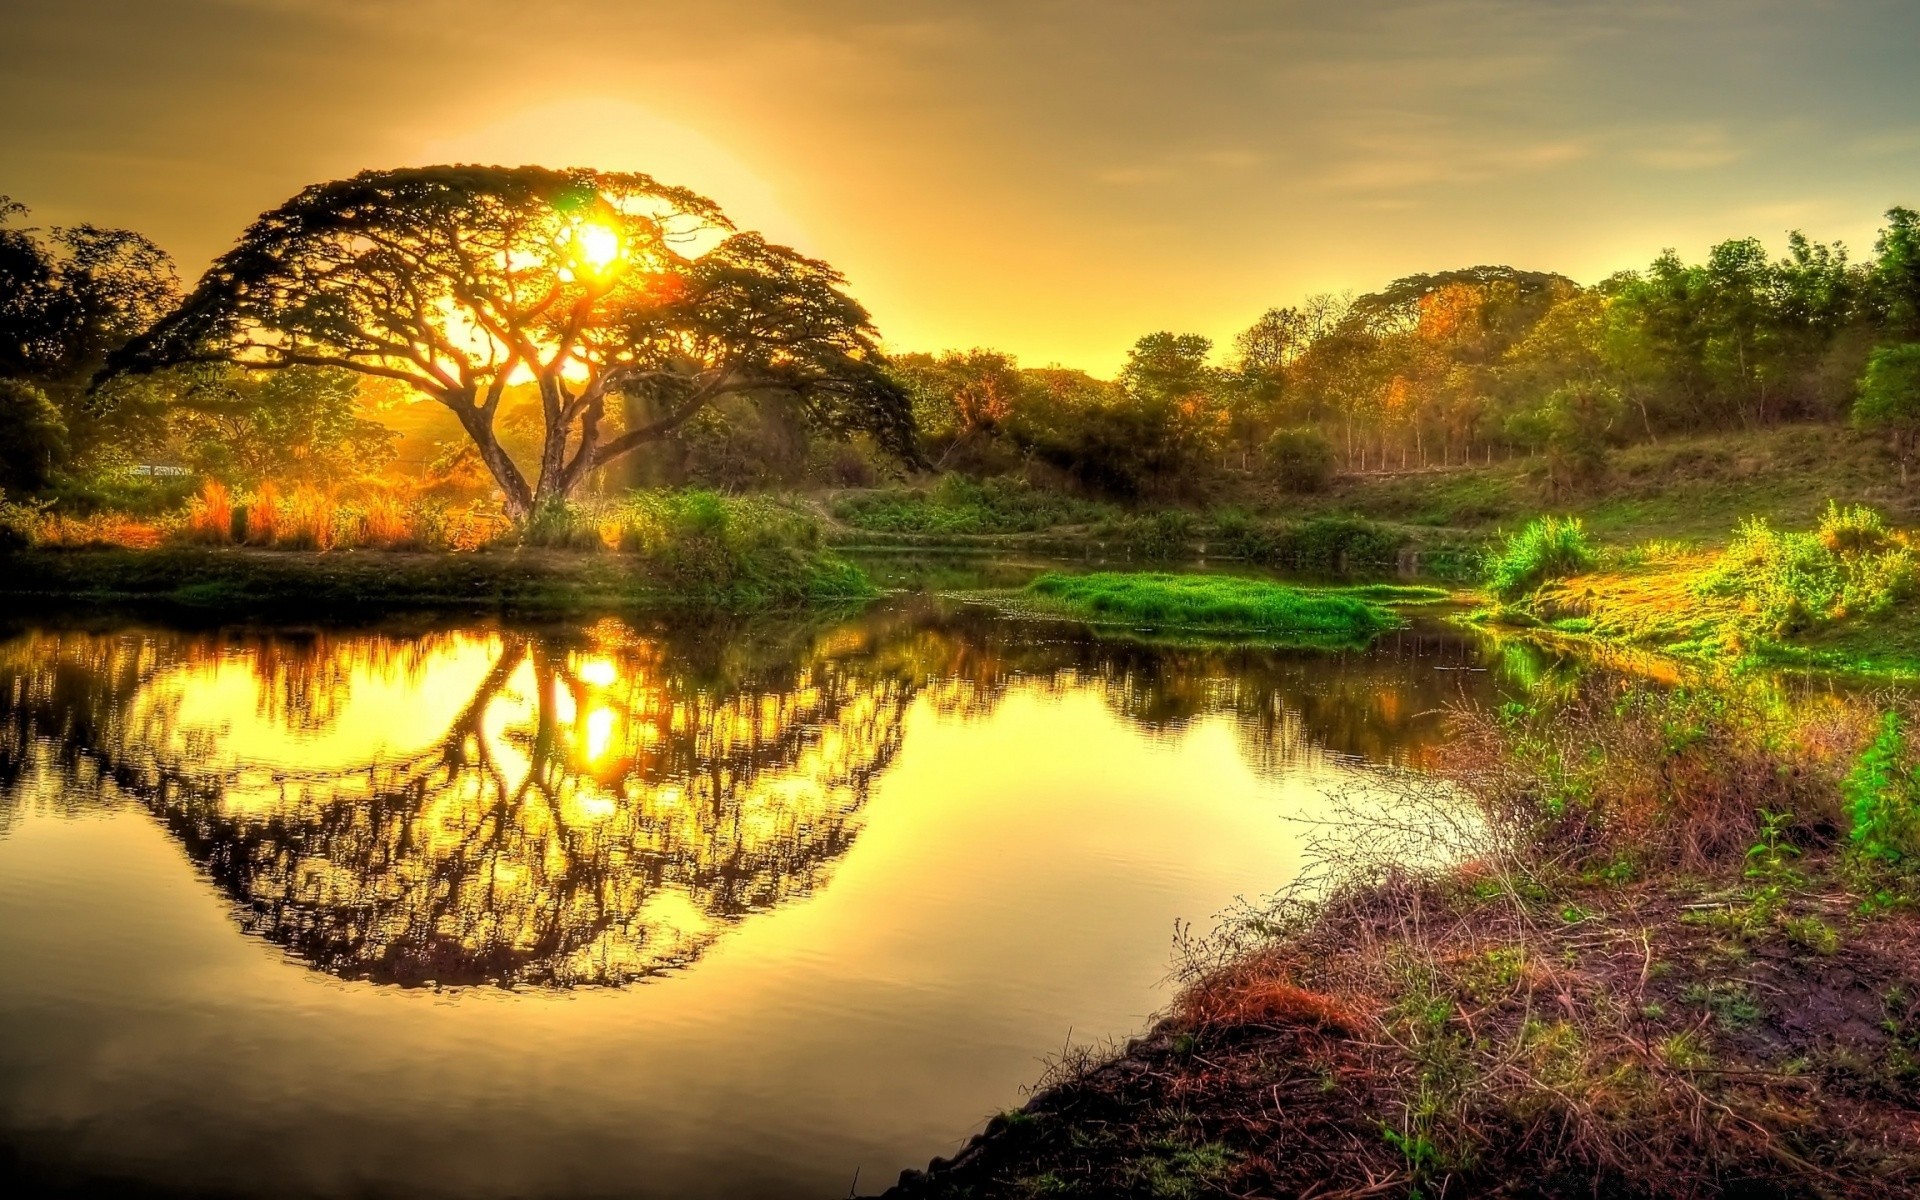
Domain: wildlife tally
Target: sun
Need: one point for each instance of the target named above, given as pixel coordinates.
(596, 246)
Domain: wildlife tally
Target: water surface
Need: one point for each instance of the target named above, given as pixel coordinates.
(614, 909)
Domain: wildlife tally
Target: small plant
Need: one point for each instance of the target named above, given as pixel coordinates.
(1882, 794)
(1731, 1002)
(1811, 933)
(1547, 548)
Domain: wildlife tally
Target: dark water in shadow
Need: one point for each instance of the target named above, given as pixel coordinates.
(615, 909)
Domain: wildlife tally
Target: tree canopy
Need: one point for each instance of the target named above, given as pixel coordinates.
(463, 282)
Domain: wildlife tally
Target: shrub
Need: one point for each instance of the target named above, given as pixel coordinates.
(1620, 769)
(1237, 535)
(1883, 797)
(1790, 582)
(1299, 460)
(716, 549)
(958, 505)
(1330, 545)
(557, 525)
(1546, 548)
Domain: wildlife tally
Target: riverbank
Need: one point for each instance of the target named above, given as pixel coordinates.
(1680, 962)
(1693, 490)
(527, 580)
(1836, 598)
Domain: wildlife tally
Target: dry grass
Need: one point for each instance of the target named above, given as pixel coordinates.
(1635, 982)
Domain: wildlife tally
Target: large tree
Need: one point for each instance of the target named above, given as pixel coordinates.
(464, 281)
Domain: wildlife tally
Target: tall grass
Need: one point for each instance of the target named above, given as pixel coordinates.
(1215, 603)
(1546, 548)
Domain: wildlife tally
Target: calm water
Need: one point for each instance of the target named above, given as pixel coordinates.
(489, 911)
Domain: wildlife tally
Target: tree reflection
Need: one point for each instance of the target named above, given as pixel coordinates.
(596, 805)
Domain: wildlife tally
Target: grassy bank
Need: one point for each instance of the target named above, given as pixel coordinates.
(1840, 596)
(1694, 490)
(692, 550)
(1678, 959)
(291, 583)
(1226, 605)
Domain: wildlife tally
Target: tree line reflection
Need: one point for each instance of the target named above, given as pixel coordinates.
(594, 805)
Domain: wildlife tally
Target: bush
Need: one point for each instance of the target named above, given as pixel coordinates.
(1547, 548)
(1158, 537)
(1331, 545)
(1299, 460)
(1789, 583)
(738, 550)
(1620, 769)
(558, 525)
(1883, 797)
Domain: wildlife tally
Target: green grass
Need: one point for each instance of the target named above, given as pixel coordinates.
(1836, 598)
(1218, 604)
(1545, 548)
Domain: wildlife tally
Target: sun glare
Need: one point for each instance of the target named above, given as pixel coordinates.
(596, 247)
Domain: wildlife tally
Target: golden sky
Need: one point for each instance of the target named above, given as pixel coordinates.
(1049, 177)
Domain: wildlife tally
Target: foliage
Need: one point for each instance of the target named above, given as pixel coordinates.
(1883, 796)
(33, 437)
(456, 280)
(302, 423)
(958, 505)
(1789, 582)
(1299, 459)
(1890, 398)
(1545, 548)
(1220, 603)
(738, 550)
(68, 297)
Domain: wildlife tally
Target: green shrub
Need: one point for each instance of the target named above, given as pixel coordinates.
(1299, 460)
(1237, 535)
(1547, 548)
(1883, 797)
(733, 550)
(1159, 537)
(1791, 582)
(558, 525)
(1328, 545)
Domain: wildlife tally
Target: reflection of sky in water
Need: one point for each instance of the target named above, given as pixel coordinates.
(900, 857)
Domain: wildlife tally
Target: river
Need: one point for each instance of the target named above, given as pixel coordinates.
(620, 908)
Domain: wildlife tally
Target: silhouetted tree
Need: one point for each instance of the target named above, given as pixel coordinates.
(461, 281)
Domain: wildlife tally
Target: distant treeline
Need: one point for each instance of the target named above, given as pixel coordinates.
(1457, 366)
